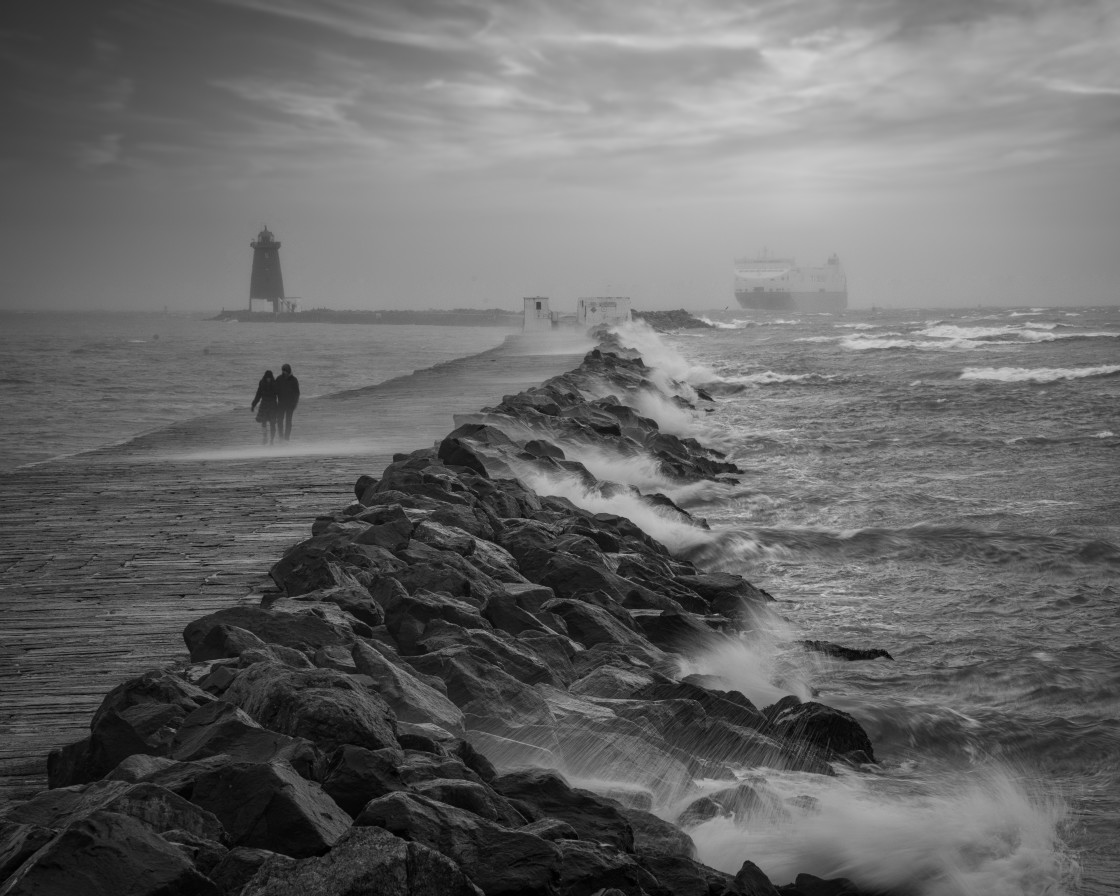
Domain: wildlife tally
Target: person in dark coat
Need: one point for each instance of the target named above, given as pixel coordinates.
(269, 413)
(287, 397)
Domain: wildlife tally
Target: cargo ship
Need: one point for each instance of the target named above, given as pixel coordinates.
(778, 284)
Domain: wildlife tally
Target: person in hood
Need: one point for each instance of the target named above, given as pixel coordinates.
(287, 397)
(269, 411)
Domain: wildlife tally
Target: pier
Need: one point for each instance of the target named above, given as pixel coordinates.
(108, 554)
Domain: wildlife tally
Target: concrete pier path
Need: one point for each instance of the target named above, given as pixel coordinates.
(107, 555)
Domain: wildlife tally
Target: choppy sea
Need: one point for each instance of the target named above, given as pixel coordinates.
(944, 486)
(941, 485)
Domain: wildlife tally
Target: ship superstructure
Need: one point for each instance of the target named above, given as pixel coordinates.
(779, 284)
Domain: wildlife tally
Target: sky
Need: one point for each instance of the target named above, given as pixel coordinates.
(440, 154)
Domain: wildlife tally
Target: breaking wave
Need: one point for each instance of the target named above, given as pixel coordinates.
(972, 832)
(1037, 375)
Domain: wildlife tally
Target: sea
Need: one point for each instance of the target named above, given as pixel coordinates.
(943, 485)
(75, 382)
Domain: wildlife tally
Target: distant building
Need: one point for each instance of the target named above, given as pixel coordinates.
(596, 310)
(267, 283)
(538, 318)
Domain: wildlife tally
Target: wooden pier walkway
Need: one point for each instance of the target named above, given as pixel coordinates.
(106, 556)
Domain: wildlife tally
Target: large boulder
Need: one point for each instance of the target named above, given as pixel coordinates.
(368, 860)
(269, 806)
(222, 728)
(409, 697)
(352, 776)
(321, 705)
(828, 729)
(496, 859)
(154, 806)
(492, 699)
(593, 817)
(408, 615)
(590, 624)
(306, 631)
(589, 868)
(138, 716)
(108, 854)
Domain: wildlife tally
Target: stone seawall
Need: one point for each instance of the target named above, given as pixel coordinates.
(458, 685)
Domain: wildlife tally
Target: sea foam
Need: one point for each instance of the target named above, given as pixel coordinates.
(1037, 375)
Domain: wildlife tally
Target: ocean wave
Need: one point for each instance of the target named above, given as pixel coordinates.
(991, 829)
(725, 325)
(1037, 375)
(1058, 552)
(733, 385)
(1027, 332)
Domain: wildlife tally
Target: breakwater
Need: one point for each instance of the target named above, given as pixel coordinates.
(460, 683)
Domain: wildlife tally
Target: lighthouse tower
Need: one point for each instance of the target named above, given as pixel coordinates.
(266, 283)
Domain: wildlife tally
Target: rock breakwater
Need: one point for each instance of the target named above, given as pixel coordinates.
(461, 684)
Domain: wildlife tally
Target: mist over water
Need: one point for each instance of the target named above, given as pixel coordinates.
(75, 382)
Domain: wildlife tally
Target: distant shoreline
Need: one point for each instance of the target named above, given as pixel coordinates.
(460, 317)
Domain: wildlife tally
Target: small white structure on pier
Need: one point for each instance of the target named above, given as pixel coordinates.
(537, 315)
(596, 310)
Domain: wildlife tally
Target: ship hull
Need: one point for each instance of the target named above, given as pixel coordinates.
(790, 300)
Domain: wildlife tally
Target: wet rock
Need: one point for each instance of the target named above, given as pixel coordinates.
(389, 528)
(497, 701)
(354, 775)
(822, 726)
(315, 564)
(550, 829)
(321, 705)
(270, 807)
(592, 817)
(138, 767)
(409, 697)
(239, 865)
(496, 648)
(750, 881)
(153, 806)
(590, 624)
(109, 853)
(18, 842)
(809, 885)
(683, 876)
(588, 867)
(368, 860)
(653, 835)
(731, 706)
(407, 616)
(851, 654)
(471, 796)
(497, 860)
(679, 632)
(357, 602)
(202, 853)
(220, 728)
(597, 743)
(305, 631)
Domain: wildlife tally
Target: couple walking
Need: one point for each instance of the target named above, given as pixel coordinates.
(278, 397)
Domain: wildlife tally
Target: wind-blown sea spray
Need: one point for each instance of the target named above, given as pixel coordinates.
(981, 833)
(671, 528)
(671, 368)
(643, 472)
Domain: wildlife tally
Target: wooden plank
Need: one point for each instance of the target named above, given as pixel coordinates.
(108, 555)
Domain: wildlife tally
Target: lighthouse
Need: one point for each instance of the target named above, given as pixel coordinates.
(267, 282)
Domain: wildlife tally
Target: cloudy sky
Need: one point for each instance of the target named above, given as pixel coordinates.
(443, 153)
